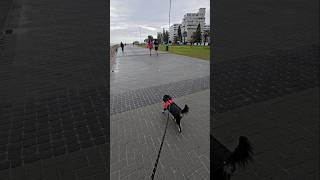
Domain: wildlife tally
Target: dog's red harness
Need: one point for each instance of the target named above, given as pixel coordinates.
(167, 103)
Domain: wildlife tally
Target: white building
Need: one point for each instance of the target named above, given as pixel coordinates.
(191, 21)
(206, 28)
(173, 32)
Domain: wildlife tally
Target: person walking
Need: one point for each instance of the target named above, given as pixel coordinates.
(122, 46)
(150, 45)
(156, 45)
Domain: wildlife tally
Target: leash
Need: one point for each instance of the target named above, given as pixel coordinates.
(156, 163)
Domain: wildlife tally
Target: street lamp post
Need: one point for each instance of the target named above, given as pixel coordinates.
(167, 47)
(140, 34)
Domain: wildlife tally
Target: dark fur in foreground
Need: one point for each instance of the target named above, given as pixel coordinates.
(241, 156)
(175, 110)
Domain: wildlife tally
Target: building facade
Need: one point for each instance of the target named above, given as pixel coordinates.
(174, 31)
(189, 25)
(191, 21)
(206, 28)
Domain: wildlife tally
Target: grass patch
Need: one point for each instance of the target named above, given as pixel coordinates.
(201, 52)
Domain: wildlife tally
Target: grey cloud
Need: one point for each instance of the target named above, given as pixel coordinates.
(126, 16)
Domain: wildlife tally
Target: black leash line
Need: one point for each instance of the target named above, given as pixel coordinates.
(156, 163)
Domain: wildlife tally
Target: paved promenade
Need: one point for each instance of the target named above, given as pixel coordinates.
(284, 133)
(5, 6)
(266, 85)
(273, 99)
(137, 124)
(53, 93)
(134, 69)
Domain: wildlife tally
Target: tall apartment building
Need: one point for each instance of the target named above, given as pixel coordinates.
(190, 22)
(174, 31)
(206, 28)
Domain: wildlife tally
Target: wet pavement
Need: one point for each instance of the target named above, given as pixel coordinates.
(255, 78)
(53, 91)
(283, 132)
(137, 85)
(135, 69)
(265, 72)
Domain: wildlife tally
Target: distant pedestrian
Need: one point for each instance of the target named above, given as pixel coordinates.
(122, 46)
(150, 45)
(156, 45)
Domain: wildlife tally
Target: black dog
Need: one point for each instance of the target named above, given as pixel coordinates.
(174, 109)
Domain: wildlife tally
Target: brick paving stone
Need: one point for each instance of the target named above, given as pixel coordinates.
(282, 146)
(135, 97)
(5, 174)
(18, 173)
(245, 80)
(34, 171)
(255, 78)
(115, 175)
(50, 173)
(142, 132)
(52, 95)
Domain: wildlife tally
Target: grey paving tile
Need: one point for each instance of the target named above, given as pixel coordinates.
(282, 147)
(141, 133)
(51, 89)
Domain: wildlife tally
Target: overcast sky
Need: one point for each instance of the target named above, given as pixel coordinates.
(128, 16)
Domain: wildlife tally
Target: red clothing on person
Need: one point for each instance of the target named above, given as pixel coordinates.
(167, 104)
(150, 45)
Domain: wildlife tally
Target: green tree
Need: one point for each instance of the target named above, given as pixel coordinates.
(165, 36)
(159, 37)
(206, 34)
(179, 34)
(176, 39)
(185, 34)
(197, 35)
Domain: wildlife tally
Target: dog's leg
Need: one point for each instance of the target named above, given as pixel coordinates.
(179, 128)
(178, 121)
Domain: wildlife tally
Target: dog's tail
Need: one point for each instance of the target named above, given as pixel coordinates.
(185, 109)
(242, 153)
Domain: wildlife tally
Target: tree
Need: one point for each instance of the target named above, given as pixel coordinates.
(159, 37)
(179, 34)
(165, 36)
(176, 39)
(185, 34)
(206, 35)
(197, 35)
